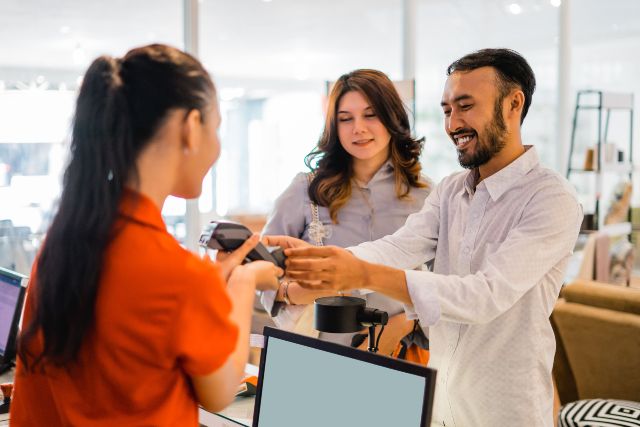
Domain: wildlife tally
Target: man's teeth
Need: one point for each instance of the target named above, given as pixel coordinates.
(463, 140)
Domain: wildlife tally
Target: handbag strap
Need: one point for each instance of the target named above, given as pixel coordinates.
(316, 228)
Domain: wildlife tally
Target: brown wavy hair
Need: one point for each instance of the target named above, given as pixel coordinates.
(333, 166)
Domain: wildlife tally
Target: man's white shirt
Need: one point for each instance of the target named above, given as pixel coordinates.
(499, 252)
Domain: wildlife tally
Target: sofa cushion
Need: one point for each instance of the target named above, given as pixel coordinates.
(602, 348)
(600, 413)
(603, 295)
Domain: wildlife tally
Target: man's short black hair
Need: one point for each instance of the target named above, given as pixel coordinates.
(512, 70)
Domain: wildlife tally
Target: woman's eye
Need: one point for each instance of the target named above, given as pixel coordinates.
(370, 116)
(344, 119)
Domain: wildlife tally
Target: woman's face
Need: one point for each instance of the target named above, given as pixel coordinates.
(360, 131)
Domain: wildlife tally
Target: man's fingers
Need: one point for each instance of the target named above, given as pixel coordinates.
(307, 264)
(275, 241)
(309, 276)
(311, 251)
(284, 241)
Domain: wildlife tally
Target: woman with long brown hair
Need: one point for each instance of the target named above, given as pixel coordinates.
(365, 180)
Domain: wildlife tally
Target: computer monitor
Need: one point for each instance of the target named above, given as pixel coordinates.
(12, 290)
(305, 381)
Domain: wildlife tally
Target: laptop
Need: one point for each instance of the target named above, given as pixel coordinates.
(305, 381)
(12, 291)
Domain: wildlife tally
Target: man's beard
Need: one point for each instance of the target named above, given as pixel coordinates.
(489, 144)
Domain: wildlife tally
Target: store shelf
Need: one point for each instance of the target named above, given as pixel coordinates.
(613, 230)
(602, 104)
(623, 168)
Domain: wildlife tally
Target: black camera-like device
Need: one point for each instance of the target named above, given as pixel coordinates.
(229, 236)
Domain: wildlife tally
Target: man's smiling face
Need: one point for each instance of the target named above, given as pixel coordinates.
(472, 108)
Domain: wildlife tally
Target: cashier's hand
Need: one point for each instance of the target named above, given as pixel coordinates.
(266, 272)
(267, 275)
(325, 267)
(230, 260)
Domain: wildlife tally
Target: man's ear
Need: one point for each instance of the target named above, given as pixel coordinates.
(516, 103)
(191, 132)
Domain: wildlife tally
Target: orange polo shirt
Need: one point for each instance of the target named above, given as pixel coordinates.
(161, 316)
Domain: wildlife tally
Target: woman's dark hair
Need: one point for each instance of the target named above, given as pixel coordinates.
(121, 104)
(331, 185)
(512, 70)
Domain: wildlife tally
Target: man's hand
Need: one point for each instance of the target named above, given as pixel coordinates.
(333, 268)
(325, 267)
(285, 242)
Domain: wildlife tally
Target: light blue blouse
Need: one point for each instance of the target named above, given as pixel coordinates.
(372, 212)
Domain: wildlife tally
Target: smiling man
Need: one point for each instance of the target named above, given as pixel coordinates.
(499, 236)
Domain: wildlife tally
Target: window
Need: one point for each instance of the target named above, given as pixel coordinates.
(271, 73)
(40, 70)
(450, 30)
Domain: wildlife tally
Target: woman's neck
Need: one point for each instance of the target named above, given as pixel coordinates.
(156, 173)
(364, 170)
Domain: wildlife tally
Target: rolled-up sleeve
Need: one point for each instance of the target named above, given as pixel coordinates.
(413, 245)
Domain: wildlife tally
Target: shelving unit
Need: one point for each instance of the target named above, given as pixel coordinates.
(604, 104)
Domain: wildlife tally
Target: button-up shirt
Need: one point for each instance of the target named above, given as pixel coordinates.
(499, 250)
(373, 211)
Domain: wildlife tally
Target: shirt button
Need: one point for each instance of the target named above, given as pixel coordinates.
(465, 250)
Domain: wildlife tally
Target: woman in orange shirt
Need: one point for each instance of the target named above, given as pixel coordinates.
(122, 325)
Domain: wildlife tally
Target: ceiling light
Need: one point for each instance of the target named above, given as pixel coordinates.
(555, 3)
(515, 8)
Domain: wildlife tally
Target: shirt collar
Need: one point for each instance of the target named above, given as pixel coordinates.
(501, 181)
(139, 208)
(384, 172)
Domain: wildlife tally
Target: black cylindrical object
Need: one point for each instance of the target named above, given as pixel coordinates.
(338, 314)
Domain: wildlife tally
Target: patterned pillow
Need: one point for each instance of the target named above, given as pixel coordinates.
(600, 413)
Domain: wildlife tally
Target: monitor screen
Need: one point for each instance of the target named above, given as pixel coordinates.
(303, 385)
(10, 300)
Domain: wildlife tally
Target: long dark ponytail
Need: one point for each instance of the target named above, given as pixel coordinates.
(121, 104)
